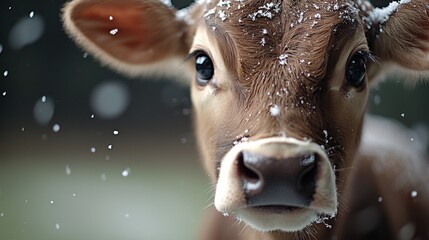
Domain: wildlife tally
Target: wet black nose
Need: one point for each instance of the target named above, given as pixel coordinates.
(271, 181)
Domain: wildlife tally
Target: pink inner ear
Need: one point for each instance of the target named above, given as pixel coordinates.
(130, 31)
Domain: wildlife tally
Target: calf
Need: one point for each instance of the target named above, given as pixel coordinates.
(279, 90)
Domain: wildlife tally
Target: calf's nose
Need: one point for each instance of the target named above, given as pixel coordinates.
(272, 181)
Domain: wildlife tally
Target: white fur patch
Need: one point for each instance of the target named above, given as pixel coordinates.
(230, 196)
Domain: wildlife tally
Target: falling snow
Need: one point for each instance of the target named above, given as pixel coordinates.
(350, 94)
(301, 17)
(26, 31)
(283, 59)
(186, 111)
(336, 7)
(266, 11)
(5, 73)
(223, 3)
(274, 110)
(114, 31)
(56, 128)
(308, 160)
(57, 226)
(184, 15)
(68, 170)
(381, 15)
(43, 110)
(325, 132)
(103, 177)
(407, 231)
(93, 149)
(167, 3)
(323, 219)
(413, 194)
(222, 15)
(126, 172)
(377, 99)
(110, 146)
(115, 132)
(210, 12)
(110, 99)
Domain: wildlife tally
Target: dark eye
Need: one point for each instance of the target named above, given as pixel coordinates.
(204, 67)
(356, 70)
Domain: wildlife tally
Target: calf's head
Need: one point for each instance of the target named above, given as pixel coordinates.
(279, 88)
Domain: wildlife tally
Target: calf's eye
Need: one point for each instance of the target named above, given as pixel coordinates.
(356, 69)
(204, 67)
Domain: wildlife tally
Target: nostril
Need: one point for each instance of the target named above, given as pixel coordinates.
(250, 179)
(277, 181)
(307, 177)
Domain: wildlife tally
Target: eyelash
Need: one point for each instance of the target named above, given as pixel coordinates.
(193, 54)
(368, 56)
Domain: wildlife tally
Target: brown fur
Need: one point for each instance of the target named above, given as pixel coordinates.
(308, 87)
(300, 86)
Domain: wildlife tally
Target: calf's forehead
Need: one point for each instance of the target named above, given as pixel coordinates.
(281, 43)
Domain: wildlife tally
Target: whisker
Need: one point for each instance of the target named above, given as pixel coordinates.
(343, 169)
(242, 232)
(344, 206)
(311, 233)
(208, 206)
(332, 150)
(211, 197)
(211, 188)
(236, 222)
(372, 58)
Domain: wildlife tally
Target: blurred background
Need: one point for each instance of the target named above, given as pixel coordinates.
(88, 154)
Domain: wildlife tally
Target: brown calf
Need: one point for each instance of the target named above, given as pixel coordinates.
(279, 90)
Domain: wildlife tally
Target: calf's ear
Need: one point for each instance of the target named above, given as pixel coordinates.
(398, 36)
(134, 37)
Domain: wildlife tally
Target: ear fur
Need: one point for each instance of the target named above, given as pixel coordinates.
(398, 35)
(134, 37)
